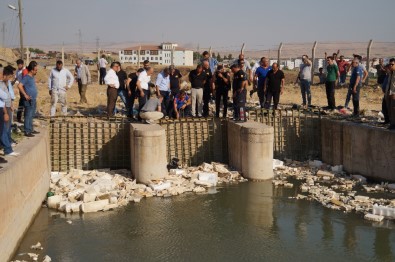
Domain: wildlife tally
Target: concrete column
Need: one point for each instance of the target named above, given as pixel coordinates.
(148, 152)
(251, 149)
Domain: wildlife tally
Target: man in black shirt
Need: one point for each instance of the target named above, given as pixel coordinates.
(197, 79)
(274, 86)
(131, 85)
(208, 87)
(122, 91)
(175, 79)
(222, 86)
(239, 90)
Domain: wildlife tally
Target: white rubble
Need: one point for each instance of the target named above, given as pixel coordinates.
(375, 218)
(37, 246)
(105, 189)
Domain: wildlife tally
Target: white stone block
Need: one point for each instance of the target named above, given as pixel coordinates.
(359, 178)
(375, 218)
(94, 206)
(87, 197)
(208, 177)
(54, 201)
(160, 186)
(177, 172)
(277, 163)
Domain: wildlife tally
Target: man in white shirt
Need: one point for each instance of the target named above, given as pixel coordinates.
(163, 89)
(102, 64)
(60, 80)
(143, 86)
(112, 82)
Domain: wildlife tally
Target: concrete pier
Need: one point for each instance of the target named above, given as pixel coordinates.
(361, 149)
(251, 149)
(24, 183)
(148, 152)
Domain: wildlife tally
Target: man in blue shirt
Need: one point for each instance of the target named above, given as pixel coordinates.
(355, 85)
(261, 74)
(28, 89)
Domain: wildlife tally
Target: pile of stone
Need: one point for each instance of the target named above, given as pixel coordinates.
(334, 188)
(105, 189)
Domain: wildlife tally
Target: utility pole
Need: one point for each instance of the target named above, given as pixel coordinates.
(97, 43)
(62, 54)
(98, 65)
(3, 34)
(20, 26)
(279, 54)
(313, 61)
(368, 60)
(242, 49)
(80, 41)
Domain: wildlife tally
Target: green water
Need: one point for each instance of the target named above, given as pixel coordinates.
(244, 222)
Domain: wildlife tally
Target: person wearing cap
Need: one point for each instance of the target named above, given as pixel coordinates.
(222, 86)
(390, 94)
(331, 77)
(239, 86)
(163, 88)
(20, 74)
(304, 77)
(355, 85)
(59, 82)
(112, 81)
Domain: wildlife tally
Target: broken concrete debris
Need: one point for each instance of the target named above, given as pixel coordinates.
(105, 189)
(335, 189)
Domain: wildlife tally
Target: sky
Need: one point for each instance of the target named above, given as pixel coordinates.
(221, 24)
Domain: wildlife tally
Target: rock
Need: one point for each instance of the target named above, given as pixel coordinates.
(204, 183)
(63, 182)
(336, 202)
(104, 184)
(277, 164)
(208, 177)
(113, 200)
(94, 206)
(206, 167)
(375, 218)
(337, 169)
(47, 259)
(55, 177)
(288, 185)
(69, 222)
(33, 256)
(322, 173)
(199, 189)
(301, 196)
(391, 186)
(315, 164)
(87, 197)
(73, 207)
(359, 178)
(37, 246)
(388, 212)
(110, 206)
(161, 186)
(177, 172)
(361, 198)
(54, 201)
(220, 168)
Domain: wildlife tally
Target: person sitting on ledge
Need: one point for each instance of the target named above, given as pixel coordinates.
(152, 110)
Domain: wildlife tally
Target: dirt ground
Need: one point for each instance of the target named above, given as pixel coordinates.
(371, 97)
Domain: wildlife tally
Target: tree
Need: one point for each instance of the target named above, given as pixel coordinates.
(225, 57)
(196, 56)
(219, 58)
(36, 50)
(230, 57)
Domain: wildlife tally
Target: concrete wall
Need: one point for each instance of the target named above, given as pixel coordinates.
(24, 182)
(361, 149)
(250, 147)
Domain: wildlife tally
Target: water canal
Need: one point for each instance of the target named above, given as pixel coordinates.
(245, 222)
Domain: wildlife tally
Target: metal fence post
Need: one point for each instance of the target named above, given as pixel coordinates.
(279, 54)
(313, 61)
(368, 60)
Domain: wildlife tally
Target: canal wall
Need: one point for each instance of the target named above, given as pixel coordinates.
(24, 183)
(361, 149)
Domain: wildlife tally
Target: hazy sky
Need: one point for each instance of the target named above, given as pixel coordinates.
(222, 24)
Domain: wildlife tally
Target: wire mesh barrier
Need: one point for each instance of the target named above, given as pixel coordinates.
(196, 140)
(297, 134)
(89, 143)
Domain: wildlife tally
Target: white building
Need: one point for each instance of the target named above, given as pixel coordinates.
(165, 54)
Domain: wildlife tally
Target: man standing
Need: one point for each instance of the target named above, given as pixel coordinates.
(207, 88)
(83, 77)
(222, 86)
(274, 85)
(102, 67)
(122, 90)
(355, 85)
(151, 111)
(143, 86)
(260, 77)
(211, 60)
(132, 89)
(331, 77)
(381, 72)
(197, 79)
(28, 89)
(390, 94)
(163, 89)
(112, 83)
(244, 66)
(60, 80)
(6, 131)
(175, 81)
(304, 78)
(343, 67)
(20, 73)
(239, 92)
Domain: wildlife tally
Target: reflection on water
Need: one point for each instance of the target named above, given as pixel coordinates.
(250, 221)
